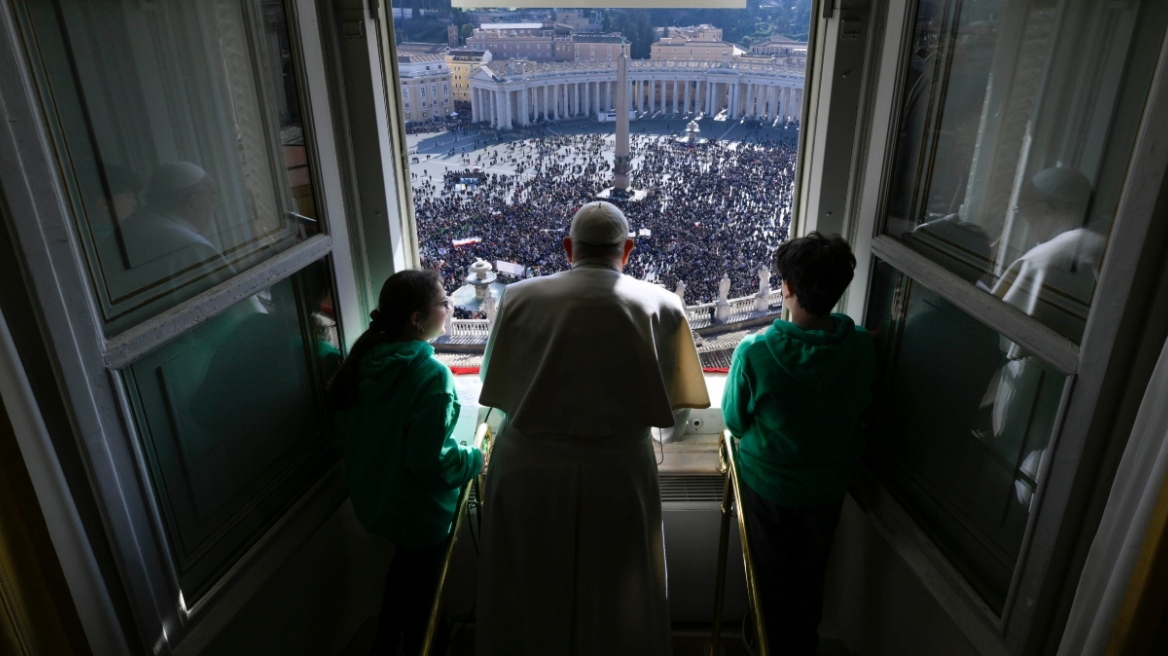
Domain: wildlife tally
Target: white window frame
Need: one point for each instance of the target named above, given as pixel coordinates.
(89, 362)
(1030, 618)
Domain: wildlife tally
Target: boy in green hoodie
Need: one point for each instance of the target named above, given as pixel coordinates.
(795, 395)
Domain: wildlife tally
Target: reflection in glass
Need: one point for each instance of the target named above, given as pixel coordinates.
(1017, 122)
(231, 420)
(179, 133)
(965, 427)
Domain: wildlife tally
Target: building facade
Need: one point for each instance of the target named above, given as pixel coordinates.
(780, 46)
(463, 62)
(519, 93)
(532, 41)
(681, 48)
(599, 47)
(703, 32)
(425, 86)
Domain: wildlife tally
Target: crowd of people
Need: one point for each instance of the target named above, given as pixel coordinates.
(709, 209)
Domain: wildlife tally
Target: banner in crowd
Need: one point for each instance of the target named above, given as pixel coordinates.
(469, 241)
(509, 268)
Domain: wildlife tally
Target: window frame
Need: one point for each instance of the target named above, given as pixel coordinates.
(88, 364)
(1045, 573)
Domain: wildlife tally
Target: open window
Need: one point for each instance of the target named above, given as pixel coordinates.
(196, 287)
(997, 195)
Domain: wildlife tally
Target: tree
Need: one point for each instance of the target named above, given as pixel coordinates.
(466, 31)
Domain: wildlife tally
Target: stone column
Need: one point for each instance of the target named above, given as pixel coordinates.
(676, 91)
(555, 102)
(620, 169)
(587, 98)
(474, 109)
(576, 99)
(685, 97)
(490, 309)
(722, 309)
(762, 300)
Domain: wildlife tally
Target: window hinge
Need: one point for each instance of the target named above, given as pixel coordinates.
(827, 8)
(375, 9)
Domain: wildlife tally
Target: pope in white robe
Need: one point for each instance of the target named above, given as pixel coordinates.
(582, 363)
(1053, 282)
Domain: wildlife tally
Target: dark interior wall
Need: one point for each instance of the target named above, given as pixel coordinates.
(37, 615)
(876, 603)
(317, 600)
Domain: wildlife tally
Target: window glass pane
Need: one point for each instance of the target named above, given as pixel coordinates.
(178, 127)
(232, 423)
(964, 427)
(1017, 124)
(521, 130)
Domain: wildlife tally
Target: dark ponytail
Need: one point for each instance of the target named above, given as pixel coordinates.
(403, 294)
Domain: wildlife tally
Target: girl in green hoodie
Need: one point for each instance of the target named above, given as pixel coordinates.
(795, 395)
(394, 407)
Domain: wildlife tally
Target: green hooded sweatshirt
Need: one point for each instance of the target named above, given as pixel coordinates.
(795, 398)
(403, 468)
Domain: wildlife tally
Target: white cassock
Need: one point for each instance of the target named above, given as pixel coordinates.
(572, 558)
(1054, 283)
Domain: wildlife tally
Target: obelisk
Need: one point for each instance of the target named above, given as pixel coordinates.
(620, 168)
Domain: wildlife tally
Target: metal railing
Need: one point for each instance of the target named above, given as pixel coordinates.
(482, 441)
(730, 471)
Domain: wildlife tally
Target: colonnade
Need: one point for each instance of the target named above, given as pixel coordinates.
(507, 103)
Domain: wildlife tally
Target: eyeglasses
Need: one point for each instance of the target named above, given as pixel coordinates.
(445, 302)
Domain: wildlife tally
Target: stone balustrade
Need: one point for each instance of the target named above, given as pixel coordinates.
(765, 303)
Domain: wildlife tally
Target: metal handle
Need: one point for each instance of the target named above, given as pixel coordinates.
(482, 441)
(730, 471)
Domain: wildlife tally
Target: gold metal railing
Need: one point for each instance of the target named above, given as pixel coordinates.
(730, 471)
(482, 440)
